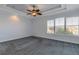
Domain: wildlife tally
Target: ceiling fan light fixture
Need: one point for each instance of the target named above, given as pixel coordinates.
(34, 14)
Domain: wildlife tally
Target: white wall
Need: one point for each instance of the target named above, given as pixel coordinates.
(40, 28)
(13, 28)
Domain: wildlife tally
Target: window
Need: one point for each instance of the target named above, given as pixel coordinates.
(64, 25)
(72, 25)
(59, 25)
(50, 26)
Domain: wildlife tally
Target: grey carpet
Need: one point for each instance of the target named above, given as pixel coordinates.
(38, 46)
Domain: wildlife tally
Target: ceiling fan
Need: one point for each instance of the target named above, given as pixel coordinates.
(34, 12)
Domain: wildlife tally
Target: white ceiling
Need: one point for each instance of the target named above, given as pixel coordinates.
(23, 7)
(46, 9)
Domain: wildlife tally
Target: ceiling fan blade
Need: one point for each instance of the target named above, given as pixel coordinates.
(29, 10)
(39, 13)
(37, 10)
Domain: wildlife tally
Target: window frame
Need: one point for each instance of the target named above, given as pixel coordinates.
(65, 26)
